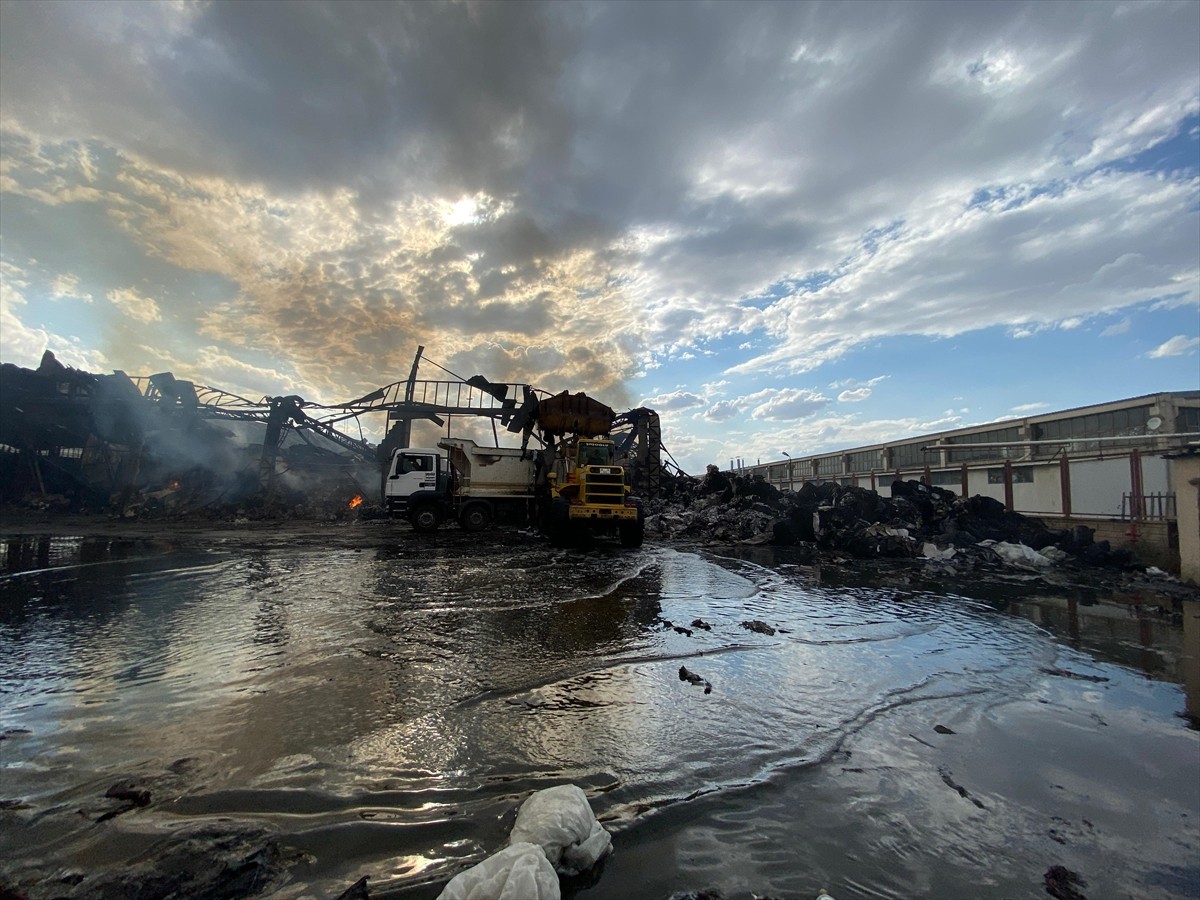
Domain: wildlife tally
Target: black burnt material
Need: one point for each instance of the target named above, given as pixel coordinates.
(726, 507)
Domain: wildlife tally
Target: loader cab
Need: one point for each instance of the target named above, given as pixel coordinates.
(596, 453)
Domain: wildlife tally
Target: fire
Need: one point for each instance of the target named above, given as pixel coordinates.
(356, 502)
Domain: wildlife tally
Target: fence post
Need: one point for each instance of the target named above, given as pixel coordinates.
(1008, 489)
(964, 481)
(1137, 501)
(1064, 480)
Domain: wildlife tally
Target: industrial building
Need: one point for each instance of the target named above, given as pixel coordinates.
(1109, 465)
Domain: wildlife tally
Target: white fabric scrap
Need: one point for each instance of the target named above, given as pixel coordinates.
(1054, 554)
(930, 551)
(1020, 555)
(561, 822)
(518, 872)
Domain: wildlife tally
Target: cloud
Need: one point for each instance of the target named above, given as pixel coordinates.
(1180, 345)
(673, 402)
(1116, 328)
(67, 286)
(135, 306)
(854, 395)
(722, 411)
(315, 189)
(1025, 408)
(783, 404)
(829, 433)
(23, 345)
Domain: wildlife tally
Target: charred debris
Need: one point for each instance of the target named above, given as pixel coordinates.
(835, 521)
(161, 447)
(73, 441)
(158, 446)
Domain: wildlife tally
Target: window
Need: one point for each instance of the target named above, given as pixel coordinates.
(865, 461)
(829, 465)
(1188, 419)
(595, 454)
(414, 463)
(1108, 424)
(905, 456)
(996, 436)
(952, 478)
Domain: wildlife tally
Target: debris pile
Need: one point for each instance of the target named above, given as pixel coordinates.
(72, 441)
(918, 520)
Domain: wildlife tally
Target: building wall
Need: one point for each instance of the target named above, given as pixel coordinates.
(1186, 471)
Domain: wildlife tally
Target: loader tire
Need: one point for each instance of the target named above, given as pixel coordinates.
(558, 524)
(633, 534)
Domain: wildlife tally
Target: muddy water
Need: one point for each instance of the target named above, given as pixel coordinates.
(378, 704)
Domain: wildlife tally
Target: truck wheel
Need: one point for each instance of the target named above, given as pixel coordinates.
(475, 517)
(426, 519)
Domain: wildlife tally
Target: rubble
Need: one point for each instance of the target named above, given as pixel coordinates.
(75, 442)
(918, 521)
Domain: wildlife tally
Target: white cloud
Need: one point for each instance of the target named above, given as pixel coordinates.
(1025, 408)
(534, 214)
(673, 402)
(1116, 328)
(67, 286)
(722, 411)
(1180, 345)
(135, 306)
(23, 345)
(783, 404)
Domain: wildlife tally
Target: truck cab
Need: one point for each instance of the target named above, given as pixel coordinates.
(417, 487)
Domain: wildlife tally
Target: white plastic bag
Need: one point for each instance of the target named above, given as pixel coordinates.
(1020, 555)
(561, 822)
(518, 872)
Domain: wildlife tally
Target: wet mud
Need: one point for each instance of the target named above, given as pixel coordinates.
(282, 710)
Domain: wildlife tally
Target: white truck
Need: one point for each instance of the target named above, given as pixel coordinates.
(460, 480)
(571, 491)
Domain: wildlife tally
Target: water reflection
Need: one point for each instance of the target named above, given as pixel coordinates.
(1190, 659)
(393, 700)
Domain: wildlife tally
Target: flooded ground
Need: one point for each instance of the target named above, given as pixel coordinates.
(305, 706)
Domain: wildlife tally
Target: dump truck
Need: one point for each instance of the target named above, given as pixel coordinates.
(572, 490)
(463, 482)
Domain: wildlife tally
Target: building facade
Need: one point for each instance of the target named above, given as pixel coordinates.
(1104, 462)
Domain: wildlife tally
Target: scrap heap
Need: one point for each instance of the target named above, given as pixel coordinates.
(74, 440)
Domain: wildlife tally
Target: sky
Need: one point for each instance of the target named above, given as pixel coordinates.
(794, 227)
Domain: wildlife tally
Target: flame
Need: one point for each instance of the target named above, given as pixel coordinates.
(175, 485)
(356, 502)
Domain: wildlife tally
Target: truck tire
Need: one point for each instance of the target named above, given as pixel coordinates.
(426, 518)
(475, 517)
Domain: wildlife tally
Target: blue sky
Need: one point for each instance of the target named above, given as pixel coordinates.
(785, 226)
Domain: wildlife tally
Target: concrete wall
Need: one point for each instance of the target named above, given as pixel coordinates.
(1150, 542)
(1186, 475)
